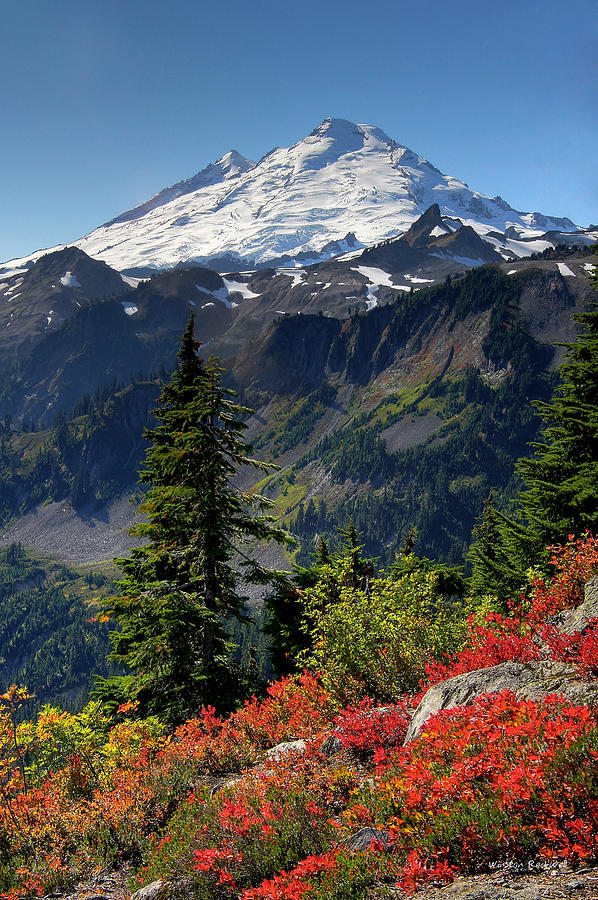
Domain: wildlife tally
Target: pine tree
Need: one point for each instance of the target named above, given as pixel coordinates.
(561, 495)
(179, 589)
(284, 614)
(498, 555)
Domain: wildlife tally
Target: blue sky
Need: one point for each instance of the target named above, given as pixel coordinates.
(105, 103)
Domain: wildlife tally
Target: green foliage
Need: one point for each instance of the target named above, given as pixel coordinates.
(372, 636)
(499, 556)
(49, 636)
(284, 611)
(294, 428)
(437, 486)
(180, 588)
(561, 478)
(102, 436)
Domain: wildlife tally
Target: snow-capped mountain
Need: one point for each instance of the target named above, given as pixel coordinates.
(343, 187)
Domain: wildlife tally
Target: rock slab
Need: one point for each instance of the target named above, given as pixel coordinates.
(529, 681)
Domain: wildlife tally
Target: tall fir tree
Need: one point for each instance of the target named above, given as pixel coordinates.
(179, 589)
(561, 495)
(499, 555)
(284, 612)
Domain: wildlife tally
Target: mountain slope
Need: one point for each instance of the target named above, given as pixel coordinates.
(341, 187)
(408, 415)
(404, 415)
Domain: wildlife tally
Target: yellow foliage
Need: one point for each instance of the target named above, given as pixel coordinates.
(374, 640)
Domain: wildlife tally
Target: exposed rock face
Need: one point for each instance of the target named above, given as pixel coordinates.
(571, 620)
(157, 890)
(365, 837)
(281, 750)
(164, 890)
(530, 681)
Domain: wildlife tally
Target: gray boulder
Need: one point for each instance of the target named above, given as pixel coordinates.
(365, 837)
(179, 889)
(285, 748)
(157, 890)
(331, 745)
(530, 681)
(571, 620)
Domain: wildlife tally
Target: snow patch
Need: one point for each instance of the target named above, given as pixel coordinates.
(69, 280)
(415, 280)
(464, 260)
(372, 300)
(132, 282)
(352, 255)
(207, 304)
(15, 286)
(10, 273)
(375, 276)
(437, 231)
(240, 287)
(129, 308)
(589, 267)
(220, 294)
(297, 276)
(565, 270)
(512, 272)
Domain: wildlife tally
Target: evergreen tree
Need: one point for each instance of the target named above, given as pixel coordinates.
(285, 611)
(561, 495)
(286, 621)
(499, 555)
(180, 588)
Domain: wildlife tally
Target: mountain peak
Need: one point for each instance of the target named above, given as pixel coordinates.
(231, 165)
(298, 202)
(343, 130)
(419, 233)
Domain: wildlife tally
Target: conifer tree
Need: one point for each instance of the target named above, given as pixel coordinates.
(179, 588)
(561, 495)
(498, 555)
(285, 611)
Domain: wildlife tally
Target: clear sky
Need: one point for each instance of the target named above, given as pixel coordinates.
(105, 102)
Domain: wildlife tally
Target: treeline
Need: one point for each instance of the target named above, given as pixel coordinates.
(90, 456)
(438, 487)
(50, 636)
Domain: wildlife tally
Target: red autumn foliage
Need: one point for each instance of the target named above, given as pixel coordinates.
(525, 635)
(498, 781)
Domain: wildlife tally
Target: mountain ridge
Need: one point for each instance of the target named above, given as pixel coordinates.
(341, 180)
